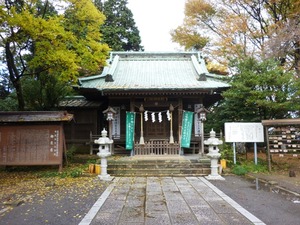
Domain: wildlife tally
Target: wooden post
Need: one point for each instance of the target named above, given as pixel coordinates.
(110, 136)
(179, 117)
(202, 138)
(180, 110)
(268, 150)
(171, 109)
(142, 142)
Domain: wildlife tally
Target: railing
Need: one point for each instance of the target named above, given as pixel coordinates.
(95, 147)
(157, 147)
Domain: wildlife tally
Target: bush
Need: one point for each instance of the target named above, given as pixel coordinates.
(226, 152)
(75, 173)
(248, 166)
(239, 170)
(71, 153)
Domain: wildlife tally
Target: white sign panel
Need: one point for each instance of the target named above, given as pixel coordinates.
(244, 132)
(197, 123)
(116, 123)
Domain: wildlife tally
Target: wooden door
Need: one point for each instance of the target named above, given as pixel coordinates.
(156, 130)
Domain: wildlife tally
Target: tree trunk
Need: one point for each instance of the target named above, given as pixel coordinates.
(297, 58)
(19, 90)
(14, 76)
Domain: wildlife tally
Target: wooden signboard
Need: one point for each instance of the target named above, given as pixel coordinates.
(31, 145)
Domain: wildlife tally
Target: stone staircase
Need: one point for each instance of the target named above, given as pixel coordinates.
(158, 166)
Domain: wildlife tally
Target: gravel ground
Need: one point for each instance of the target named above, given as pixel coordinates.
(49, 201)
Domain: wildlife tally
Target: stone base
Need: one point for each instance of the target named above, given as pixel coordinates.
(106, 177)
(216, 177)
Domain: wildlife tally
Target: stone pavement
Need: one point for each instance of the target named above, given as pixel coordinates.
(166, 200)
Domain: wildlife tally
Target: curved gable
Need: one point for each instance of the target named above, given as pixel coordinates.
(130, 72)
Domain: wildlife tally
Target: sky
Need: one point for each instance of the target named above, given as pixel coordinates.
(155, 19)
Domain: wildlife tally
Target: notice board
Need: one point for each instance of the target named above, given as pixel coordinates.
(244, 132)
(31, 145)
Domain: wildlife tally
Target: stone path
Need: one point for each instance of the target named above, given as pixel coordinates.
(164, 201)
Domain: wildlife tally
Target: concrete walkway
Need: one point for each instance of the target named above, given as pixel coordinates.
(164, 201)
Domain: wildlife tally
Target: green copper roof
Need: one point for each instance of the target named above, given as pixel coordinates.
(147, 71)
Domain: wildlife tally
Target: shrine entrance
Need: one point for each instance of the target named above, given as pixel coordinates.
(156, 130)
(156, 127)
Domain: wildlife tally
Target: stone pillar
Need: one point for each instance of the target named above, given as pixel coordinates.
(214, 156)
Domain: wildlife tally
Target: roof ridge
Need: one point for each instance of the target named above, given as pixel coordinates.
(154, 59)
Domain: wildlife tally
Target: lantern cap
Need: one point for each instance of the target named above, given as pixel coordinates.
(142, 108)
(104, 133)
(212, 133)
(212, 140)
(202, 110)
(110, 109)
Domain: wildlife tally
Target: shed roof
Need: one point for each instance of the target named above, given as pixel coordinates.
(146, 71)
(281, 122)
(78, 102)
(34, 116)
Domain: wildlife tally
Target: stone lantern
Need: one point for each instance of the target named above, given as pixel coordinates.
(214, 156)
(110, 115)
(201, 119)
(104, 151)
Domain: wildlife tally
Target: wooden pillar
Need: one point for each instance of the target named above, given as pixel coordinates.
(201, 124)
(132, 103)
(142, 142)
(180, 110)
(268, 149)
(202, 138)
(171, 109)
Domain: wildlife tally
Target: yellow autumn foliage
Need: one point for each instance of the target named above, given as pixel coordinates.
(63, 44)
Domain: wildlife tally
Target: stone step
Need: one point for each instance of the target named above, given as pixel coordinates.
(160, 172)
(156, 166)
(128, 160)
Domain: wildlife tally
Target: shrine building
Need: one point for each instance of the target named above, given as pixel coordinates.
(156, 87)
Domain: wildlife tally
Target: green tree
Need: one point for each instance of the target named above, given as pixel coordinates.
(98, 4)
(44, 93)
(37, 41)
(119, 30)
(8, 101)
(4, 85)
(259, 90)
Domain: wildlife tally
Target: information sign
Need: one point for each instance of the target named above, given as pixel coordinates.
(244, 132)
(31, 145)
